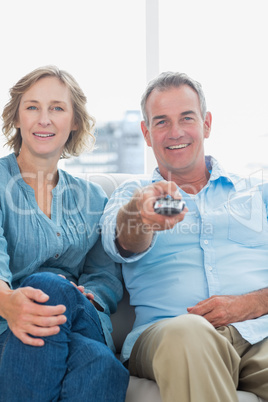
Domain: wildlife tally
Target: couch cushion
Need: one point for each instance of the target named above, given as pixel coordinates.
(141, 390)
(122, 321)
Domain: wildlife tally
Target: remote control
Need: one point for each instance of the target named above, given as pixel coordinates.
(168, 206)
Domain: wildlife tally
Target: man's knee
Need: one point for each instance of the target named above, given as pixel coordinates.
(179, 340)
(185, 329)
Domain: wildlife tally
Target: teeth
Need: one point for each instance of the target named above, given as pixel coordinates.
(43, 135)
(178, 146)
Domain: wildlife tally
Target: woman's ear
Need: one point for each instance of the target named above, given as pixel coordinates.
(17, 123)
(74, 127)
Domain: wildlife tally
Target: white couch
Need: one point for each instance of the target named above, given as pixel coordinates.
(139, 390)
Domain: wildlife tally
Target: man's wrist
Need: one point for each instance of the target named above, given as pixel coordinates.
(122, 251)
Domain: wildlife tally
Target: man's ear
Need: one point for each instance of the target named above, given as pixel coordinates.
(146, 133)
(207, 124)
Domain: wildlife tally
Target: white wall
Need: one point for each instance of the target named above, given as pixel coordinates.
(103, 44)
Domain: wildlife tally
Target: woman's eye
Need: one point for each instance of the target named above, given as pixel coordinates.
(31, 108)
(58, 108)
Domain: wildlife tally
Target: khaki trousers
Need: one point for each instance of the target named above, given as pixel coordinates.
(192, 361)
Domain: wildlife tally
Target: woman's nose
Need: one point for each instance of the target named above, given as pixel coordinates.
(44, 119)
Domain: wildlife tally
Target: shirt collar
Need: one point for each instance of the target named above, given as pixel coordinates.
(17, 174)
(213, 166)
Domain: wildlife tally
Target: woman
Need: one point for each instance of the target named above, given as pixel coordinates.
(57, 286)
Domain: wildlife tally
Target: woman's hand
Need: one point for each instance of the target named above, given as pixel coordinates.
(81, 288)
(26, 318)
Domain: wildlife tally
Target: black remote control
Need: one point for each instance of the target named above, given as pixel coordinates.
(168, 206)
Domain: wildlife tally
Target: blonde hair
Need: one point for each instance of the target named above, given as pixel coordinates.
(79, 140)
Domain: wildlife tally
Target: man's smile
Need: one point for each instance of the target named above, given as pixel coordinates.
(180, 146)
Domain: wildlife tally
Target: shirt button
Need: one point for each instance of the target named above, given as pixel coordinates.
(56, 255)
(210, 268)
(58, 234)
(206, 241)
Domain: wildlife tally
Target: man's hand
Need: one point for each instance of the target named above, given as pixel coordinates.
(137, 220)
(145, 199)
(25, 317)
(224, 310)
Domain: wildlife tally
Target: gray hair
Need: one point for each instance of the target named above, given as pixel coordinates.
(168, 80)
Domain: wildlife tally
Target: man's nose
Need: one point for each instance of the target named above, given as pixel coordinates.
(176, 131)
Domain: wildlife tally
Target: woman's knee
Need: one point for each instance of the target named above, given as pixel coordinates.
(47, 281)
(42, 280)
(56, 287)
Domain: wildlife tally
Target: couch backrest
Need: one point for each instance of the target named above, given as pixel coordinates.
(108, 181)
(124, 317)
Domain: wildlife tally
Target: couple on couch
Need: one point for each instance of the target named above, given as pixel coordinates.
(198, 279)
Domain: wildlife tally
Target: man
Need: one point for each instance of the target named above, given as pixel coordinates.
(199, 279)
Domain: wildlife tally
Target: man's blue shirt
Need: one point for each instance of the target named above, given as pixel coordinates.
(220, 248)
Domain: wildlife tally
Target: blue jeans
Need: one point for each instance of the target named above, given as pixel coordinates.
(74, 365)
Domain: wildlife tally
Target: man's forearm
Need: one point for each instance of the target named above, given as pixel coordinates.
(132, 234)
(261, 301)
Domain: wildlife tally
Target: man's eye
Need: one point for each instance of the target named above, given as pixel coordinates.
(187, 118)
(161, 122)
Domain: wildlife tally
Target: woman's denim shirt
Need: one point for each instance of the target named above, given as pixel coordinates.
(68, 243)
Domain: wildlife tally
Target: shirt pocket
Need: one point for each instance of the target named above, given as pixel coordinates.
(247, 219)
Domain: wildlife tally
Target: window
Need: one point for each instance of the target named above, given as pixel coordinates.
(101, 43)
(222, 44)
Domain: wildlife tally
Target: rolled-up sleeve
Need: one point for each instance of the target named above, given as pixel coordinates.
(119, 198)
